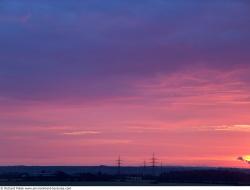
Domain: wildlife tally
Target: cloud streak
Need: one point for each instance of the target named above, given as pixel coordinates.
(76, 133)
(229, 128)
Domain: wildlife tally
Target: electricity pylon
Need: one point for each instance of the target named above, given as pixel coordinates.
(119, 163)
(153, 162)
(161, 167)
(144, 167)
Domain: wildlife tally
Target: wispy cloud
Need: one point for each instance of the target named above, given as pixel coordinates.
(115, 141)
(197, 87)
(82, 133)
(236, 127)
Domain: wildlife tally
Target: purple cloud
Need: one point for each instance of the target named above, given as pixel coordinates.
(96, 48)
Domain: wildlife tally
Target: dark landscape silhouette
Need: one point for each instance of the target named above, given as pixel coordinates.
(122, 175)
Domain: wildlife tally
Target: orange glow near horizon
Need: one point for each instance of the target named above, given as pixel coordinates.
(246, 158)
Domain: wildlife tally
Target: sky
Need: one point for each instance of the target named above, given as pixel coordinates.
(82, 82)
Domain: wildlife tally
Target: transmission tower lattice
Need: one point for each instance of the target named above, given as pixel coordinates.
(153, 162)
(119, 163)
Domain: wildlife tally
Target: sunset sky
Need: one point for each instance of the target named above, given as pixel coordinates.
(83, 81)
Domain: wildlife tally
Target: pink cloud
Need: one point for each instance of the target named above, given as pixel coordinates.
(190, 117)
